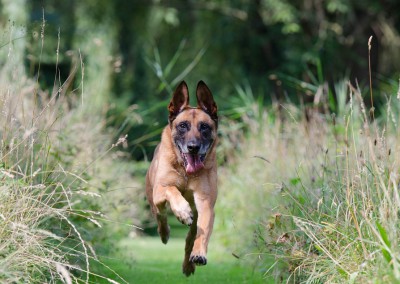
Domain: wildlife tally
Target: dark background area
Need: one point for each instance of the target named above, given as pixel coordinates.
(280, 49)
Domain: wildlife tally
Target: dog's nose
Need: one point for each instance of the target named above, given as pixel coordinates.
(193, 147)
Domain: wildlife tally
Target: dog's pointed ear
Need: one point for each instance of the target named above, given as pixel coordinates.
(205, 100)
(180, 100)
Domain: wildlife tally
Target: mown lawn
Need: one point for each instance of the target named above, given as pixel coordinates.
(147, 260)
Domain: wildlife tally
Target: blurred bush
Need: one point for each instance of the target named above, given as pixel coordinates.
(267, 42)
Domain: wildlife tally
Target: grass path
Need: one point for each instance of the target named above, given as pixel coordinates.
(147, 260)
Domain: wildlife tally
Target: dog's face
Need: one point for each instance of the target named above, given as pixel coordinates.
(194, 129)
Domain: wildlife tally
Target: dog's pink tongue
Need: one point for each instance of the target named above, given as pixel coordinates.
(194, 163)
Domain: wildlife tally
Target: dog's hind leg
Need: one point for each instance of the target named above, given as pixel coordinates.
(158, 209)
(160, 212)
(163, 227)
(162, 222)
(188, 267)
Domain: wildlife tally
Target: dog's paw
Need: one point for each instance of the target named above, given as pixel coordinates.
(184, 213)
(163, 231)
(198, 259)
(188, 268)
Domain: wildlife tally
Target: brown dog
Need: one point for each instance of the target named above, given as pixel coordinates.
(183, 172)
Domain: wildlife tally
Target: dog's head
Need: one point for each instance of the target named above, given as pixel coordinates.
(194, 129)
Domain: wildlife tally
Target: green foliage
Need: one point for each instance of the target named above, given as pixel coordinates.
(39, 240)
(385, 240)
(136, 52)
(280, 12)
(322, 207)
(340, 215)
(57, 164)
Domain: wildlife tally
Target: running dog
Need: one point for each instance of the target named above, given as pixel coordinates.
(183, 172)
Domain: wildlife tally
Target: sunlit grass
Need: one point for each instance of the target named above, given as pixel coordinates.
(54, 156)
(147, 260)
(319, 192)
(339, 221)
(38, 239)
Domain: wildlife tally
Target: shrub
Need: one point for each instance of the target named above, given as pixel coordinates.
(339, 218)
(57, 166)
(318, 190)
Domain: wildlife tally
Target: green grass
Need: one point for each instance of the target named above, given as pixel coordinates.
(336, 218)
(147, 260)
(56, 164)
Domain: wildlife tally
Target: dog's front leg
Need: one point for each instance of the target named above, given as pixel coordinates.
(179, 206)
(205, 222)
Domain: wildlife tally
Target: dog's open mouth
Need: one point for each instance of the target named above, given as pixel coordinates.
(193, 162)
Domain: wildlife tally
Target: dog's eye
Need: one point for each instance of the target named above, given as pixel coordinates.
(183, 126)
(204, 127)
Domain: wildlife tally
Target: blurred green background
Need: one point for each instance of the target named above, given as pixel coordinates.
(135, 52)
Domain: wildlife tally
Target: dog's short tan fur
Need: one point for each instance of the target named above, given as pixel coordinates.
(191, 194)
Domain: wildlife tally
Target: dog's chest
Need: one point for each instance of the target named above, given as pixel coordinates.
(190, 184)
